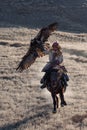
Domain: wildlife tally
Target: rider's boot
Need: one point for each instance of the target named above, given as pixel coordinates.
(64, 79)
(43, 78)
(44, 85)
(67, 77)
(65, 83)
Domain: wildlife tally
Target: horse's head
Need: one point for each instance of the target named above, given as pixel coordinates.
(54, 77)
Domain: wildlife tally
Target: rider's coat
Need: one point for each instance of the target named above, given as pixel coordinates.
(55, 59)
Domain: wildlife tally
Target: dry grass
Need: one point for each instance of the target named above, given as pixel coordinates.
(23, 105)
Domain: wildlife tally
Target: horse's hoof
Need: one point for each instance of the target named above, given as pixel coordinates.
(62, 105)
(54, 111)
(65, 103)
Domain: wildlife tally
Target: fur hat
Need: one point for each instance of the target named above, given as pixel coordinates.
(56, 44)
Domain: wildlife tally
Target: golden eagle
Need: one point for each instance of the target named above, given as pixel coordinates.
(36, 48)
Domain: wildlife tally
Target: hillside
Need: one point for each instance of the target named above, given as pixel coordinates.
(71, 15)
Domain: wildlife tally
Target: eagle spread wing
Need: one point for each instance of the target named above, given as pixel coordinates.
(26, 62)
(35, 51)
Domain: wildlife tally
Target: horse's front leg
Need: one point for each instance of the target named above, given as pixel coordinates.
(57, 101)
(63, 102)
(54, 102)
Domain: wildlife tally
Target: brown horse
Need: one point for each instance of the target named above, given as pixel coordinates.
(55, 87)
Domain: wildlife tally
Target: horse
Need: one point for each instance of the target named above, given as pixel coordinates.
(55, 87)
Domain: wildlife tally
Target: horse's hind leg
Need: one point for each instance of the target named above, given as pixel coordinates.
(54, 102)
(57, 102)
(63, 102)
